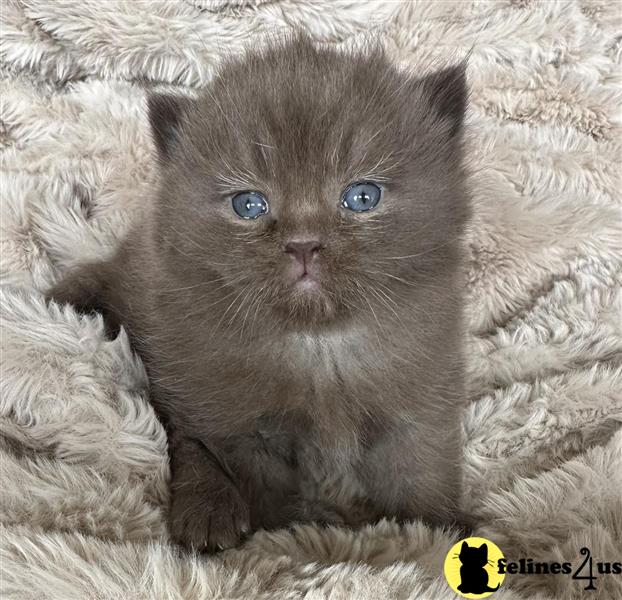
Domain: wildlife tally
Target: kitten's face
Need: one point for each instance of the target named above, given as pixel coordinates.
(260, 183)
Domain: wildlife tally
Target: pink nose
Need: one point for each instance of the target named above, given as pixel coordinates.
(303, 251)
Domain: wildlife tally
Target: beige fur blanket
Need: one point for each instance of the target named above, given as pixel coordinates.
(83, 489)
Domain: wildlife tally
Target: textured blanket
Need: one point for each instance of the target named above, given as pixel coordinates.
(83, 490)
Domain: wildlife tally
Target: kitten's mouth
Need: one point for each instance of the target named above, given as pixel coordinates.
(306, 298)
(307, 282)
(304, 277)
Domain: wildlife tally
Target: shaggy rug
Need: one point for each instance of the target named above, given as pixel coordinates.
(84, 469)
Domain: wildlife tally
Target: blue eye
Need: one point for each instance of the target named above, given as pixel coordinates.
(361, 197)
(249, 205)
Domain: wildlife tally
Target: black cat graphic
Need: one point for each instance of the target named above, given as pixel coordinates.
(473, 576)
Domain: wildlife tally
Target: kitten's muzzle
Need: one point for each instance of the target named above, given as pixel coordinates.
(305, 254)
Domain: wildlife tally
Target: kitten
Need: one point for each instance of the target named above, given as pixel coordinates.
(295, 291)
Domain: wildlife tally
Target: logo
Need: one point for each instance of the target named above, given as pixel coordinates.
(475, 568)
(471, 567)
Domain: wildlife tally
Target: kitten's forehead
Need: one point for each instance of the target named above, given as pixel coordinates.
(302, 115)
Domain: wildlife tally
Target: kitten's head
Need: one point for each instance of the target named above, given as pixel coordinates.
(310, 183)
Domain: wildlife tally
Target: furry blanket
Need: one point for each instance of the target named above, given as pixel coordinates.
(84, 469)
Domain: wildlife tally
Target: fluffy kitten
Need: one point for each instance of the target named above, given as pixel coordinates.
(302, 333)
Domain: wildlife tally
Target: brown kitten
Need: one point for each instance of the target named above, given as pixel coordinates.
(304, 340)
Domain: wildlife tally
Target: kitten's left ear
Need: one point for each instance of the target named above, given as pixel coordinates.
(166, 113)
(447, 92)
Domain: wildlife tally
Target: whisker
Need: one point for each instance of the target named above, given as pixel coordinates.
(427, 251)
(231, 305)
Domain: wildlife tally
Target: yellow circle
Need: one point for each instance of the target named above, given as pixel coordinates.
(471, 567)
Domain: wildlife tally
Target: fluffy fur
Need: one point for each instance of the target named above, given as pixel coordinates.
(84, 464)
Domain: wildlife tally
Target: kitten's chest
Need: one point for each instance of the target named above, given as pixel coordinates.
(336, 377)
(330, 362)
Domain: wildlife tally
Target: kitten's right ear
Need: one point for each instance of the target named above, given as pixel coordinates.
(166, 114)
(447, 93)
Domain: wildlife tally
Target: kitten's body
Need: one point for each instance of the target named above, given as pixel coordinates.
(267, 388)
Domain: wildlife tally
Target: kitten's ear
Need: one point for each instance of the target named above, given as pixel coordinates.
(447, 93)
(465, 546)
(166, 113)
(484, 548)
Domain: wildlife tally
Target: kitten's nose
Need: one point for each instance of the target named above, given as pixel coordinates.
(303, 250)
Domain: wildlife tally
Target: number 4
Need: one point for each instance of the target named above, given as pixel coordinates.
(590, 577)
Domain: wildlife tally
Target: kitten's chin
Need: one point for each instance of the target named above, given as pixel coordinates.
(307, 303)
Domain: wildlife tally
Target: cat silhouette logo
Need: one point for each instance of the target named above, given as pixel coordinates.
(471, 567)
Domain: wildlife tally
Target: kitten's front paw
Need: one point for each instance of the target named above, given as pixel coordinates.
(209, 521)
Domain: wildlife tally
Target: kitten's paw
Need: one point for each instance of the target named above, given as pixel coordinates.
(208, 521)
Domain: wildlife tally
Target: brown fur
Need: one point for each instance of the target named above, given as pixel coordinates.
(267, 390)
